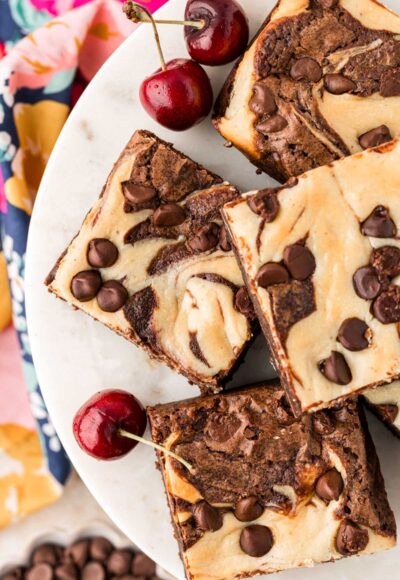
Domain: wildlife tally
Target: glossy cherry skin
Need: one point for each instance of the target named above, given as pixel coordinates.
(97, 422)
(224, 36)
(178, 97)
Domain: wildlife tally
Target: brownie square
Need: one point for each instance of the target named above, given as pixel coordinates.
(153, 263)
(385, 404)
(267, 491)
(321, 256)
(320, 81)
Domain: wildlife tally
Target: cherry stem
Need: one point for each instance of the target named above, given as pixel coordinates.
(128, 435)
(137, 13)
(133, 12)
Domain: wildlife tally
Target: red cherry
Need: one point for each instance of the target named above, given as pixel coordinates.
(178, 96)
(97, 423)
(225, 33)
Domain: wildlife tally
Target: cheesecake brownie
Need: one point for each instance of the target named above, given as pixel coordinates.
(385, 404)
(152, 261)
(320, 81)
(321, 256)
(268, 491)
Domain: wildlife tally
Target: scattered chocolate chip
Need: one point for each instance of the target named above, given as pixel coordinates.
(265, 203)
(224, 240)
(366, 283)
(112, 296)
(223, 427)
(299, 261)
(78, 552)
(271, 274)
(205, 239)
(248, 509)
(338, 84)
(85, 285)
(390, 83)
(350, 538)
(386, 308)
(142, 565)
(353, 334)
(41, 571)
(379, 224)
(207, 517)
(274, 124)
(329, 486)
(262, 102)
(101, 253)
(336, 369)
(120, 562)
(306, 69)
(138, 194)
(66, 571)
(50, 554)
(100, 548)
(386, 261)
(94, 571)
(243, 303)
(256, 540)
(375, 137)
(169, 214)
(323, 424)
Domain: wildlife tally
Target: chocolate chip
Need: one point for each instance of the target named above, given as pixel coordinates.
(366, 283)
(207, 517)
(265, 203)
(66, 571)
(223, 427)
(323, 424)
(386, 308)
(243, 303)
(379, 224)
(94, 571)
(47, 553)
(248, 509)
(142, 565)
(85, 285)
(262, 102)
(112, 296)
(299, 261)
(100, 548)
(351, 539)
(274, 124)
(40, 572)
(386, 261)
(138, 194)
(336, 369)
(119, 562)
(353, 334)
(306, 69)
(329, 486)
(339, 84)
(271, 274)
(390, 83)
(224, 240)
(205, 239)
(78, 552)
(256, 540)
(169, 214)
(375, 137)
(101, 253)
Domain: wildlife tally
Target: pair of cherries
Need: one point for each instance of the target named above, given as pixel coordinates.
(179, 94)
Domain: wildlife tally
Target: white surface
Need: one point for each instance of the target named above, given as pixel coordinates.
(76, 356)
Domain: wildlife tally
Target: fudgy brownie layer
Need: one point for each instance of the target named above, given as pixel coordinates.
(384, 402)
(255, 464)
(320, 81)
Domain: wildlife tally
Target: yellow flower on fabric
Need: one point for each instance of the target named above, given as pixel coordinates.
(5, 300)
(38, 127)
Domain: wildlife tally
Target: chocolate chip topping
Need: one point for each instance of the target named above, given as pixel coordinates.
(142, 565)
(248, 509)
(67, 571)
(354, 334)
(266, 204)
(207, 517)
(375, 137)
(205, 239)
(222, 427)
(351, 539)
(100, 548)
(112, 296)
(256, 540)
(169, 214)
(40, 572)
(336, 369)
(224, 240)
(78, 552)
(338, 84)
(271, 274)
(101, 253)
(138, 194)
(390, 83)
(386, 308)
(379, 224)
(299, 261)
(47, 553)
(94, 571)
(306, 69)
(119, 562)
(243, 303)
(262, 101)
(85, 285)
(366, 283)
(386, 261)
(329, 486)
(274, 124)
